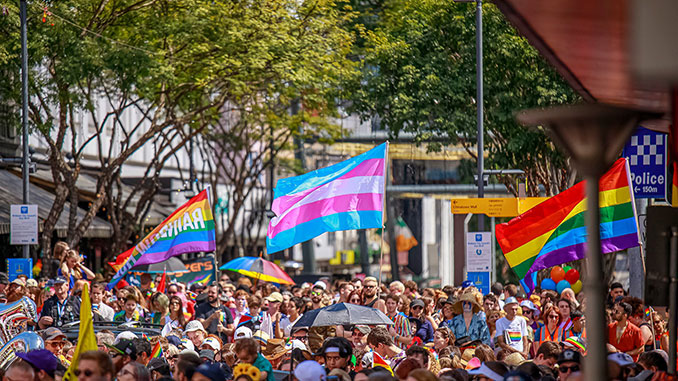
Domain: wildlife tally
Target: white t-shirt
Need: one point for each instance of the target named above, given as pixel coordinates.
(513, 331)
(286, 325)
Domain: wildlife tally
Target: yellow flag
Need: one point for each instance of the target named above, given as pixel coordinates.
(87, 340)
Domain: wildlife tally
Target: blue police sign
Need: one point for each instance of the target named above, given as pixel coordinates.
(646, 153)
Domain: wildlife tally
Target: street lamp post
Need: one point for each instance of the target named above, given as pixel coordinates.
(479, 105)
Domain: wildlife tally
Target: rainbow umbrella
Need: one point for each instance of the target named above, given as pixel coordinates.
(258, 268)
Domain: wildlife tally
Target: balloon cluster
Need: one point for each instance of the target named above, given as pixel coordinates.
(562, 278)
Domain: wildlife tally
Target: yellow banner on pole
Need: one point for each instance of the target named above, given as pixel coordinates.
(495, 207)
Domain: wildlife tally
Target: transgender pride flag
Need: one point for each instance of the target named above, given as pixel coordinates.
(344, 196)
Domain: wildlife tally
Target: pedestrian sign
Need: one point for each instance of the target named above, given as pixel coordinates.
(646, 153)
(481, 280)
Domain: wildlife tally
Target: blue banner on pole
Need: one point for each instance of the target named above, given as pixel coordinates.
(19, 266)
(646, 153)
(481, 280)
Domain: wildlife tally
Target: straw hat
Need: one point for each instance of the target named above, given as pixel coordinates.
(468, 354)
(466, 297)
(275, 349)
(514, 359)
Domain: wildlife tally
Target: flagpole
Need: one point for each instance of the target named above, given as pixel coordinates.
(383, 218)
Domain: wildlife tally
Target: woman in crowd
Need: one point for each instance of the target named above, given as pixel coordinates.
(447, 312)
(355, 297)
(442, 338)
(422, 327)
(293, 315)
(159, 308)
(467, 323)
(551, 330)
(176, 319)
(72, 268)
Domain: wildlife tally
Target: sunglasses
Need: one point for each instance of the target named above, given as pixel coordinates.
(417, 308)
(553, 316)
(370, 286)
(527, 312)
(565, 369)
(87, 373)
(315, 293)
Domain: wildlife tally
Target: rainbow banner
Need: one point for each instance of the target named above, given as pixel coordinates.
(189, 229)
(344, 196)
(554, 232)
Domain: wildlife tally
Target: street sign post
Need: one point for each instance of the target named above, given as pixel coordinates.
(646, 153)
(495, 207)
(479, 259)
(23, 225)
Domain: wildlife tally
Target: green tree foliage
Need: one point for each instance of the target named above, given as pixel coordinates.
(179, 66)
(418, 75)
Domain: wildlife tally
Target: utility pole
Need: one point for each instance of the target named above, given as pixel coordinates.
(24, 107)
(479, 105)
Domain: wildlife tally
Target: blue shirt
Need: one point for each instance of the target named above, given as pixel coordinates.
(477, 330)
(424, 330)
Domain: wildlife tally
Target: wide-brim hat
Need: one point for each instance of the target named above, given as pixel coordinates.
(275, 349)
(466, 297)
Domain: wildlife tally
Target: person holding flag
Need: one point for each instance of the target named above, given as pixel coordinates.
(215, 317)
(87, 340)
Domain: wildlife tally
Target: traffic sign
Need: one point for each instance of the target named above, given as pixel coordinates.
(646, 153)
(23, 229)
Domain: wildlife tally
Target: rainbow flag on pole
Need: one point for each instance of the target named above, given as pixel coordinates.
(554, 231)
(189, 229)
(344, 196)
(157, 351)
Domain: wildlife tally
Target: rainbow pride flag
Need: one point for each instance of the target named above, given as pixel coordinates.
(554, 231)
(377, 360)
(344, 196)
(157, 351)
(189, 229)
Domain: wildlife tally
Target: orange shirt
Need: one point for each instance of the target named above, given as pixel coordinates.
(630, 339)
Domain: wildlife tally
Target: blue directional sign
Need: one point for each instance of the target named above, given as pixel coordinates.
(646, 153)
(19, 266)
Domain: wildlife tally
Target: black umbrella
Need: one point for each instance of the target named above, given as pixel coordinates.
(343, 314)
(172, 265)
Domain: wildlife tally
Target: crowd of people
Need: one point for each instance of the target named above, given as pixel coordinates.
(237, 329)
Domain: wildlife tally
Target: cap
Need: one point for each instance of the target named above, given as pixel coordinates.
(621, 358)
(124, 347)
(309, 370)
(188, 345)
(60, 280)
(510, 300)
(19, 281)
(159, 365)
(320, 284)
(417, 303)
(206, 353)
(576, 343)
(243, 333)
(466, 283)
(213, 343)
(174, 340)
(190, 352)
(31, 283)
(296, 344)
(528, 304)
(193, 326)
(212, 371)
(365, 330)
(450, 300)
(41, 359)
(261, 336)
(127, 335)
(52, 333)
(4, 279)
(275, 297)
(569, 355)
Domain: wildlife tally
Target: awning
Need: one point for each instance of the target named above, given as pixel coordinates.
(11, 194)
(588, 42)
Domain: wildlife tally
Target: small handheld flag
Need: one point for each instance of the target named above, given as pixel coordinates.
(244, 319)
(377, 360)
(157, 351)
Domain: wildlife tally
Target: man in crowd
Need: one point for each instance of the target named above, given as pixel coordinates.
(185, 366)
(19, 371)
(95, 366)
(381, 341)
(43, 361)
(569, 365)
(371, 294)
(512, 334)
(623, 335)
(337, 353)
(317, 293)
(547, 354)
(60, 308)
(122, 353)
(216, 318)
(270, 323)
(104, 311)
(578, 328)
(345, 289)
